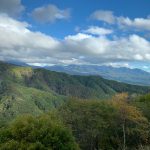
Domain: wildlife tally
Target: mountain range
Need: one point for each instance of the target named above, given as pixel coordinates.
(35, 91)
(121, 74)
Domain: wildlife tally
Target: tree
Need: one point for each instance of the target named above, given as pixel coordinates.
(134, 125)
(106, 125)
(32, 133)
(92, 123)
(143, 103)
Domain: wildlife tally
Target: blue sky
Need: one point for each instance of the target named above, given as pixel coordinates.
(81, 10)
(100, 32)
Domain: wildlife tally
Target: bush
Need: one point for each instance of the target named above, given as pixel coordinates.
(37, 133)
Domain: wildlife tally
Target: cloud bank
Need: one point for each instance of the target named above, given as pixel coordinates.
(92, 46)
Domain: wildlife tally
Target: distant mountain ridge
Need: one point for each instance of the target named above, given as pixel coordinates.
(121, 74)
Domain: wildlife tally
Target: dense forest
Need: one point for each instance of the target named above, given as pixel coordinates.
(121, 123)
(45, 110)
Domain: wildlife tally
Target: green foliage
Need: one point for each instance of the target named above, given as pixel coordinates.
(35, 91)
(98, 124)
(86, 87)
(18, 100)
(107, 125)
(133, 124)
(90, 122)
(143, 103)
(68, 85)
(32, 133)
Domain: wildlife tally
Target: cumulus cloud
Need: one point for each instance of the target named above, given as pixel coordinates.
(102, 15)
(11, 7)
(50, 13)
(121, 21)
(138, 23)
(95, 30)
(101, 49)
(86, 44)
(19, 43)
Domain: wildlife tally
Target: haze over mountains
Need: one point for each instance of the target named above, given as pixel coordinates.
(122, 74)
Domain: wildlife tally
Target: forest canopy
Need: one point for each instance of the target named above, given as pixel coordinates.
(115, 124)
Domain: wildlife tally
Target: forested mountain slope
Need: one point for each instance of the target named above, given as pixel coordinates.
(34, 91)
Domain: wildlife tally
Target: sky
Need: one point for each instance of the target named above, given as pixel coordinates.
(85, 32)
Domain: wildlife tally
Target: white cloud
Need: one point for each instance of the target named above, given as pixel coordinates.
(86, 44)
(11, 7)
(18, 42)
(101, 49)
(40, 64)
(145, 67)
(138, 23)
(77, 37)
(95, 30)
(50, 13)
(121, 21)
(102, 15)
(118, 65)
(138, 57)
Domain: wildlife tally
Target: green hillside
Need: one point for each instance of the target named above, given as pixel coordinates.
(35, 91)
(19, 99)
